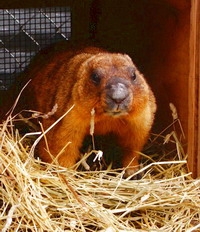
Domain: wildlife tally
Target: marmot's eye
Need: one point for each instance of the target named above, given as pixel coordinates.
(133, 76)
(95, 77)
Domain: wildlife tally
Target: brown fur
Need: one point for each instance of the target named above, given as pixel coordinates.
(90, 78)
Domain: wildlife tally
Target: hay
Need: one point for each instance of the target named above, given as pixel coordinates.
(35, 196)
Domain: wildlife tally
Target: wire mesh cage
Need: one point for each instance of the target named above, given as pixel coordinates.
(23, 32)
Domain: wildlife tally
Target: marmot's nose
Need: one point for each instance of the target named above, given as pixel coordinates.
(118, 92)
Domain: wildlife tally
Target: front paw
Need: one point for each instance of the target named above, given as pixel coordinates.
(134, 173)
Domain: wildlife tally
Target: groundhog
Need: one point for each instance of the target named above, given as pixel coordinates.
(91, 80)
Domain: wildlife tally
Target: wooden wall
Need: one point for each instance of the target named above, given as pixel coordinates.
(193, 92)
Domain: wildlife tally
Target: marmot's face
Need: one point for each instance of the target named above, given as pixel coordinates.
(112, 85)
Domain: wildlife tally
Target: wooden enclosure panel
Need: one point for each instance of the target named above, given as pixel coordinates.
(80, 20)
(194, 93)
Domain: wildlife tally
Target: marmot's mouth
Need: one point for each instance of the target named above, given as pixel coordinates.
(119, 113)
(116, 113)
(117, 109)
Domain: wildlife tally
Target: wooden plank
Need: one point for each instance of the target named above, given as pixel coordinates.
(198, 79)
(10, 4)
(193, 93)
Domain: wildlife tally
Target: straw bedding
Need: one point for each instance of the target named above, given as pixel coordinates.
(35, 196)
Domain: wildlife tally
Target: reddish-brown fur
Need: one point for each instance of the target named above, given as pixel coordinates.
(90, 79)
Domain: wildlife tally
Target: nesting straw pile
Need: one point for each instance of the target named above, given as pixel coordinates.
(44, 197)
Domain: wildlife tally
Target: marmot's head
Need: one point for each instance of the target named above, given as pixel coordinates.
(111, 84)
